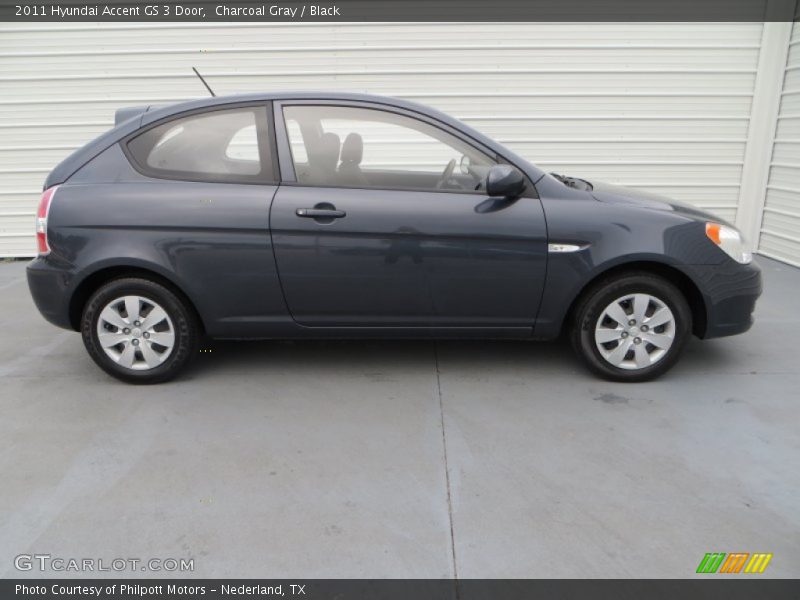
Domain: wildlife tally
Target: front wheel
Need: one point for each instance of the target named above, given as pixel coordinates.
(631, 327)
(139, 331)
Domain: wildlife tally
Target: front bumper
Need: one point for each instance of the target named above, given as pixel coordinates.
(50, 289)
(730, 291)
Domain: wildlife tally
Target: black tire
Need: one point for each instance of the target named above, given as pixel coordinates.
(595, 300)
(187, 331)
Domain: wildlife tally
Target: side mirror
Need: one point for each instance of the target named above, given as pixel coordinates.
(505, 181)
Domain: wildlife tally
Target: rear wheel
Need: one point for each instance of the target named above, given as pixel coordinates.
(139, 331)
(631, 327)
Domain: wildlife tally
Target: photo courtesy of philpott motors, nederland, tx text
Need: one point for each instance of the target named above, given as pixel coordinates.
(170, 589)
(177, 10)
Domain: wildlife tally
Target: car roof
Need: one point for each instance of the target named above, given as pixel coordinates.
(292, 95)
(154, 112)
(138, 117)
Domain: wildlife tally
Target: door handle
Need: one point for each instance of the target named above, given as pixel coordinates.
(320, 213)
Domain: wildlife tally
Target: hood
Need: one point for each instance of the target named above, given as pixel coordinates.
(617, 194)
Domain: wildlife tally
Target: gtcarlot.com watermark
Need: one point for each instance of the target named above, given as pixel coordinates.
(57, 564)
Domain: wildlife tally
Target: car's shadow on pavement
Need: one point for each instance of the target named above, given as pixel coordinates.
(252, 354)
(313, 357)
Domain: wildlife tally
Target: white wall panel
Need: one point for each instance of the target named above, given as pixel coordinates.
(780, 224)
(662, 106)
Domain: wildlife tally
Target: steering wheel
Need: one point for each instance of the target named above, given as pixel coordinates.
(446, 174)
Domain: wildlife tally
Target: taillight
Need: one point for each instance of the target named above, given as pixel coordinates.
(41, 220)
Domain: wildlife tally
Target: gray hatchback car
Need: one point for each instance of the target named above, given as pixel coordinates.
(351, 216)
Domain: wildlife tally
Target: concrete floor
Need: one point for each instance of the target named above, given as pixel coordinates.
(333, 459)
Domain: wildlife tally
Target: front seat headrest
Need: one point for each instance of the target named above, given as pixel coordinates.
(352, 149)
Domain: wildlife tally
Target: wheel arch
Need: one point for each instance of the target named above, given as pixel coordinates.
(674, 275)
(92, 282)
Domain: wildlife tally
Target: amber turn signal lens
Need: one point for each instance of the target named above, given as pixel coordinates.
(712, 231)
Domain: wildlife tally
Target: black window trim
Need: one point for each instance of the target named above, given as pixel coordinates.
(265, 134)
(289, 177)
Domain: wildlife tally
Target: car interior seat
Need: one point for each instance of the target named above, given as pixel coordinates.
(350, 168)
(323, 159)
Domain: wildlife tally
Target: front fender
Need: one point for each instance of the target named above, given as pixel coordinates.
(611, 236)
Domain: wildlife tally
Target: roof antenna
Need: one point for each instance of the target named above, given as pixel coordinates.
(210, 91)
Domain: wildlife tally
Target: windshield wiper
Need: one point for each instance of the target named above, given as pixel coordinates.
(573, 182)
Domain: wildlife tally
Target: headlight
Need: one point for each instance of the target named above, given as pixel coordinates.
(730, 241)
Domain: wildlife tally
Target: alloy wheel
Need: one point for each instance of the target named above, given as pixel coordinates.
(135, 332)
(635, 331)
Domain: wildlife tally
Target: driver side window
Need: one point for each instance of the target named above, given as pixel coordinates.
(341, 146)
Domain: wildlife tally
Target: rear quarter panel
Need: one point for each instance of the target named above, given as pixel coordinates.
(211, 240)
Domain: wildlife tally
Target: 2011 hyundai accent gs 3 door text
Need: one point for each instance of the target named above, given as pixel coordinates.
(346, 215)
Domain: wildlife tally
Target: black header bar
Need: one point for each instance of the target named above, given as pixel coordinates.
(287, 11)
(712, 587)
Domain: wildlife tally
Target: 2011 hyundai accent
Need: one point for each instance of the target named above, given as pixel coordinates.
(352, 216)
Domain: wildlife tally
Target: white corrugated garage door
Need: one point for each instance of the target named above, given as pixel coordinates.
(780, 226)
(660, 106)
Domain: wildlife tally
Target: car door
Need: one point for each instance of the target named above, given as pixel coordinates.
(376, 225)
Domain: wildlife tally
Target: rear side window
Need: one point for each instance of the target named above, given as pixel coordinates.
(222, 145)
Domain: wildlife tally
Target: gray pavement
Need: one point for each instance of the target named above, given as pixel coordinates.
(402, 459)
